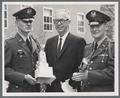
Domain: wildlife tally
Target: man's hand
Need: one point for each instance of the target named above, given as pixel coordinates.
(43, 87)
(30, 79)
(78, 76)
(66, 87)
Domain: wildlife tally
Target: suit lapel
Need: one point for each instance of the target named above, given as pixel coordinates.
(55, 46)
(89, 51)
(100, 48)
(65, 44)
(22, 43)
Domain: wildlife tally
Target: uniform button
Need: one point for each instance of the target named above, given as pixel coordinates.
(90, 68)
(16, 86)
(33, 69)
(91, 62)
(88, 83)
(102, 61)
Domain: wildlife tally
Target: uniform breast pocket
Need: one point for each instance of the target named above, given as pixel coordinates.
(21, 54)
(102, 58)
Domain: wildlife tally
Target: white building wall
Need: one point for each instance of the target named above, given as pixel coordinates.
(38, 23)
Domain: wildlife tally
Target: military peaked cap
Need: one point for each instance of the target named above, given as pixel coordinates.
(95, 17)
(28, 12)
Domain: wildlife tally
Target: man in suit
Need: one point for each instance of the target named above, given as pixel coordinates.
(97, 67)
(21, 54)
(64, 52)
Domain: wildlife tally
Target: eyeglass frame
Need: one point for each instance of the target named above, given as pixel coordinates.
(56, 21)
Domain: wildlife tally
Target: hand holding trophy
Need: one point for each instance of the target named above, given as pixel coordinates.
(77, 77)
(83, 71)
(84, 65)
(71, 85)
(43, 73)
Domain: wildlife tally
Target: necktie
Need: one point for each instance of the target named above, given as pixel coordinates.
(59, 46)
(94, 49)
(95, 46)
(29, 44)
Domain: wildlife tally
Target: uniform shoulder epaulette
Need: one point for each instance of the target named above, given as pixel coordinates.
(112, 42)
(10, 38)
(111, 49)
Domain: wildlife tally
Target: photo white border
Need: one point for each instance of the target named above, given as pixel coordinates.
(115, 93)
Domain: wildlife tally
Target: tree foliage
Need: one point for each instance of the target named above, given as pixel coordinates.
(110, 11)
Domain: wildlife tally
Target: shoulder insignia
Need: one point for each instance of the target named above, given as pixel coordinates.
(111, 49)
(10, 37)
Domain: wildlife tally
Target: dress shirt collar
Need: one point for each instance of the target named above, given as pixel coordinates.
(99, 42)
(63, 39)
(24, 37)
(64, 36)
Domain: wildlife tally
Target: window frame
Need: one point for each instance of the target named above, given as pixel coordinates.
(5, 18)
(82, 20)
(48, 8)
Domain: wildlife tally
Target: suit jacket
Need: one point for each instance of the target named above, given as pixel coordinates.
(101, 67)
(19, 61)
(69, 59)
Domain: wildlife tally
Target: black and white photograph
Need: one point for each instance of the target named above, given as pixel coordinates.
(60, 48)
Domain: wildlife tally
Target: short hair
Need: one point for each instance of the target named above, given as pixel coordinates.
(63, 11)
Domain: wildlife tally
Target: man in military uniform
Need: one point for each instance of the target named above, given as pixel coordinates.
(21, 54)
(97, 68)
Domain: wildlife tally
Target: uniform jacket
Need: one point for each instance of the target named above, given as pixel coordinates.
(19, 60)
(69, 59)
(101, 67)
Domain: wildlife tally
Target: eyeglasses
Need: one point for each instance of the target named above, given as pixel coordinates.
(61, 21)
(27, 21)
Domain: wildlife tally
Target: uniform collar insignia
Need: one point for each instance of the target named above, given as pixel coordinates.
(19, 37)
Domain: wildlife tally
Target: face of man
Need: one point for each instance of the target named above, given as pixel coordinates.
(61, 23)
(24, 25)
(97, 31)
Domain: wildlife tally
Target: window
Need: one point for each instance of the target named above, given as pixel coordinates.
(80, 23)
(47, 19)
(5, 16)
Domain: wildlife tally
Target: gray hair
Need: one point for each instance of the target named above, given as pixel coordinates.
(65, 12)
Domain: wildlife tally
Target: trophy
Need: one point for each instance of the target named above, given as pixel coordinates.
(84, 64)
(43, 73)
(83, 67)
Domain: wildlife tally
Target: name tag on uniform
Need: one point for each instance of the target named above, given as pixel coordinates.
(103, 55)
(20, 53)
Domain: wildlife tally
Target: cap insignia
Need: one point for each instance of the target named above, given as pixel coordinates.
(93, 14)
(29, 11)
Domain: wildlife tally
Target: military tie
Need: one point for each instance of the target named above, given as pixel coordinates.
(59, 46)
(94, 49)
(29, 43)
(95, 46)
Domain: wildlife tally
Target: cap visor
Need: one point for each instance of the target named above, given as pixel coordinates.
(94, 23)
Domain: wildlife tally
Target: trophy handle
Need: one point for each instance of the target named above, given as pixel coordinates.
(84, 64)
